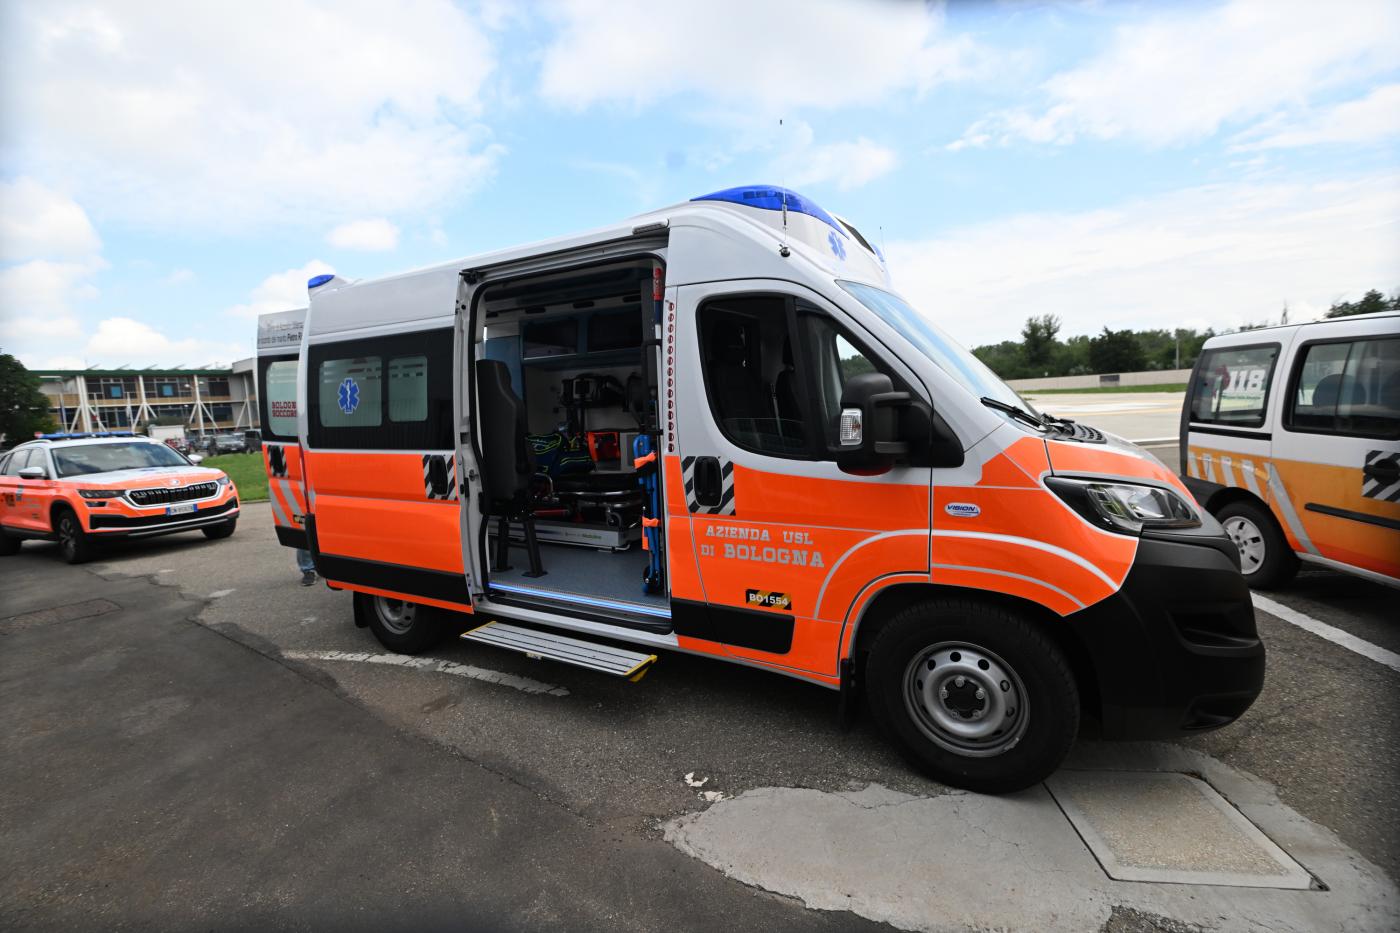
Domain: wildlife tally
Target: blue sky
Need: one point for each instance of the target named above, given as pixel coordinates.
(169, 170)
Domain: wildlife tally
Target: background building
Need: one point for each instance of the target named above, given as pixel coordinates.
(205, 401)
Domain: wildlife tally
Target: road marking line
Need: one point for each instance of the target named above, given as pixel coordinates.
(434, 665)
(219, 594)
(1333, 634)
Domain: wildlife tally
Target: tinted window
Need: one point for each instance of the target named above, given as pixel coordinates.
(1348, 387)
(1232, 385)
(751, 375)
(350, 392)
(386, 393)
(279, 399)
(835, 360)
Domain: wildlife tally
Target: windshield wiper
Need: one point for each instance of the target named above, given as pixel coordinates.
(1016, 411)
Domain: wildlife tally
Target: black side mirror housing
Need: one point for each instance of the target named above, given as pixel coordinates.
(870, 404)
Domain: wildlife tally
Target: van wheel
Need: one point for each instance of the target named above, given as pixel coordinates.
(73, 542)
(400, 626)
(9, 546)
(1266, 560)
(222, 530)
(974, 695)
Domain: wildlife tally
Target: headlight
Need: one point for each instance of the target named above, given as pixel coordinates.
(99, 493)
(224, 480)
(1125, 507)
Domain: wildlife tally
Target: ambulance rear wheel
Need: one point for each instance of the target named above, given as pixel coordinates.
(1266, 560)
(974, 695)
(401, 626)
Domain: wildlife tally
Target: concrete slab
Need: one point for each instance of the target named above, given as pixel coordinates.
(1173, 828)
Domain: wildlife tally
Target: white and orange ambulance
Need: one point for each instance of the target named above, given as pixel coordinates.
(1290, 437)
(279, 345)
(716, 429)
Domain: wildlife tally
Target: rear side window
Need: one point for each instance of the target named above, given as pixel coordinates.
(1347, 387)
(279, 393)
(385, 393)
(18, 461)
(1231, 385)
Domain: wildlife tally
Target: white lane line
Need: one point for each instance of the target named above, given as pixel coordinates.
(1333, 634)
(219, 594)
(434, 665)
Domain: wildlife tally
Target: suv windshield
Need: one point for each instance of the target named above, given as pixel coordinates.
(82, 459)
(942, 351)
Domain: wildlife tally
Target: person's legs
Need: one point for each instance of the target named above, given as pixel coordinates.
(307, 567)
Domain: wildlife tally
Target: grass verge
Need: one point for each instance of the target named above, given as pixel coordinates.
(1105, 390)
(246, 471)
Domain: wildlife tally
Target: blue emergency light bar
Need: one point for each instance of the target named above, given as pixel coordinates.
(772, 198)
(318, 280)
(62, 436)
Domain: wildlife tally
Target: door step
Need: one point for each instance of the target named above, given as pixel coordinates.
(534, 643)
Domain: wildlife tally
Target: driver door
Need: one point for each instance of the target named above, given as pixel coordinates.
(784, 539)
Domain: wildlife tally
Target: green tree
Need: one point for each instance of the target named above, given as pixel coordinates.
(1116, 351)
(24, 410)
(1370, 302)
(1039, 343)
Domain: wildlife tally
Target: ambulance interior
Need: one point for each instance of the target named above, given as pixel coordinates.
(562, 380)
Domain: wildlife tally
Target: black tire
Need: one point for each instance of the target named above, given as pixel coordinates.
(74, 545)
(221, 530)
(1266, 560)
(1026, 690)
(9, 546)
(402, 627)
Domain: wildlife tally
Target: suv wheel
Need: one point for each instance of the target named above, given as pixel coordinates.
(9, 546)
(974, 695)
(73, 543)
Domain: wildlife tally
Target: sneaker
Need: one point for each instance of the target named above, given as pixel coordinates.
(308, 578)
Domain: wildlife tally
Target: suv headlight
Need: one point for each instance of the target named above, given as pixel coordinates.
(1125, 507)
(99, 493)
(223, 480)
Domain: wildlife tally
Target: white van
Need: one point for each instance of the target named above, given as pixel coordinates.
(716, 429)
(1290, 436)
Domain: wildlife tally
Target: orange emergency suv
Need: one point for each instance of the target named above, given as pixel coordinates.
(717, 429)
(82, 489)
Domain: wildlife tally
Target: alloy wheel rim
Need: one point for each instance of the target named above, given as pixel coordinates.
(1249, 540)
(966, 699)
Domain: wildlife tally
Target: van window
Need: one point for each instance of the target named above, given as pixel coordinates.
(408, 388)
(1232, 385)
(751, 376)
(835, 360)
(381, 393)
(280, 399)
(1347, 387)
(350, 392)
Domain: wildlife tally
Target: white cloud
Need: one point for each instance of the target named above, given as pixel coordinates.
(1373, 117)
(765, 56)
(1225, 254)
(280, 292)
(1182, 76)
(36, 220)
(37, 298)
(374, 235)
(847, 165)
(119, 340)
(179, 277)
(298, 110)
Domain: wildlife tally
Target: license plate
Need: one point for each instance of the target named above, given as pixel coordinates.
(181, 509)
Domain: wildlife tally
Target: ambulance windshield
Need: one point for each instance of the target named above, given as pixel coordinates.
(943, 351)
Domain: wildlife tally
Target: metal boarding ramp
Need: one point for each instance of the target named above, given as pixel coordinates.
(579, 652)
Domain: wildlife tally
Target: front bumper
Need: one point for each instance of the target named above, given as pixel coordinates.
(1175, 650)
(121, 525)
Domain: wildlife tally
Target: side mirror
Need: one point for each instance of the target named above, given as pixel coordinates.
(868, 439)
(34, 473)
(196, 458)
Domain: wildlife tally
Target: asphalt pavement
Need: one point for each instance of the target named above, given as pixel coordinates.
(193, 739)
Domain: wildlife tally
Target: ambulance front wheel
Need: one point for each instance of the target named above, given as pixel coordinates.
(974, 695)
(402, 627)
